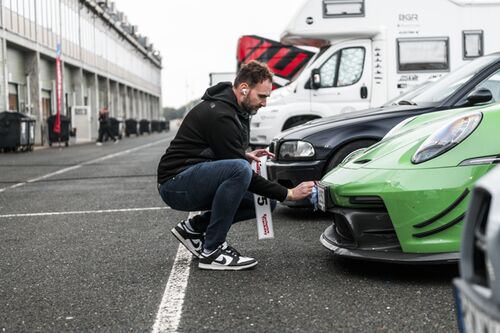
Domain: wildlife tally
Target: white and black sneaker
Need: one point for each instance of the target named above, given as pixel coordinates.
(193, 241)
(225, 258)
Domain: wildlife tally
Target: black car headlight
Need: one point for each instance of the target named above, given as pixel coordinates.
(290, 150)
(447, 137)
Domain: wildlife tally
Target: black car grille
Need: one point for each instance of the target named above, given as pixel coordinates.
(369, 228)
(343, 230)
(440, 215)
(372, 200)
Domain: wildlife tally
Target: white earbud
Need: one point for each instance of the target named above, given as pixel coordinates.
(244, 91)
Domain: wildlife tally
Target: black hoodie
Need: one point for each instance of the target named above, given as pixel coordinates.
(215, 129)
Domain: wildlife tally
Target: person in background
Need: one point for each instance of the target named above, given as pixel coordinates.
(104, 127)
(207, 168)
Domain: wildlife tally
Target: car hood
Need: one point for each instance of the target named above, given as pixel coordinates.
(360, 116)
(396, 151)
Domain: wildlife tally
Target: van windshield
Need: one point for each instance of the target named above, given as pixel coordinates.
(448, 84)
(313, 58)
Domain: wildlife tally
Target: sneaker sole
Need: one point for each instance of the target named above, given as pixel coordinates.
(187, 245)
(217, 267)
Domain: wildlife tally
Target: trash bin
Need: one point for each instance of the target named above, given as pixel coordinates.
(145, 126)
(131, 127)
(117, 127)
(65, 130)
(165, 125)
(17, 130)
(155, 126)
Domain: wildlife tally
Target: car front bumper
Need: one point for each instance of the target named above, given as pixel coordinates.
(424, 208)
(291, 174)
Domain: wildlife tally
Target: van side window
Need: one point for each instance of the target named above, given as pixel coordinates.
(423, 54)
(343, 8)
(351, 66)
(472, 43)
(343, 68)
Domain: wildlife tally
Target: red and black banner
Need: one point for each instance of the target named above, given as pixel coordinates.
(284, 60)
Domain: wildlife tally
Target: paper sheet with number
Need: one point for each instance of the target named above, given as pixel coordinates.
(263, 205)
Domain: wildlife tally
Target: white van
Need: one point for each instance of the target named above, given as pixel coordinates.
(372, 50)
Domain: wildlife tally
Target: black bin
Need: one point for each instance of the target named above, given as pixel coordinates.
(117, 127)
(17, 130)
(155, 126)
(62, 137)
(144, 126)
(131, 127)
(164, 125)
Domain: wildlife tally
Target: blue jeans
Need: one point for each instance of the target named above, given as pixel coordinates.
(221, 189)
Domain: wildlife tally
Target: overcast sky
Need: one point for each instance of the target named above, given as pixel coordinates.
(197, 37)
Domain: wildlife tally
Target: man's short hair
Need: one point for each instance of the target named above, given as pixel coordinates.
(253, 73)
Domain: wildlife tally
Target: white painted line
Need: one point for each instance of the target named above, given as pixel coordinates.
(170, 310)
(74, 167)
(32, 180)
(102, 211)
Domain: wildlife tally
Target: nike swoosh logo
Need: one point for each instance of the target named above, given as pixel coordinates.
(225, 260)
(196, 243)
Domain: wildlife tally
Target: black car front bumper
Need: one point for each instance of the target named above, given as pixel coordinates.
(369, 234)
(291, 174)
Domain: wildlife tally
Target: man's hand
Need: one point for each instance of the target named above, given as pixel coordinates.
(301, 191)
(254, 155)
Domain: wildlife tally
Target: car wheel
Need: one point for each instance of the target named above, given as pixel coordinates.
(346, 150)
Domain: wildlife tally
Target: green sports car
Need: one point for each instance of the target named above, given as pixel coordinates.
(404, 198)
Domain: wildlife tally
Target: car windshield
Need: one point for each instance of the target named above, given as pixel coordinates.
(448, 84)
(407, 97)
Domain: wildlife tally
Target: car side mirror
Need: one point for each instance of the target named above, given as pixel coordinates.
(315, 79)
(478, 96)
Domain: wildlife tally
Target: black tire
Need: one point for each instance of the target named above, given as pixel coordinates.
(346, 150)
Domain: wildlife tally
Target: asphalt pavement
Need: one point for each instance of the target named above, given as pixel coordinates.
(86, 247)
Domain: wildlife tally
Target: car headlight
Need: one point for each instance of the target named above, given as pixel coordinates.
(296, 149)
(447, 137)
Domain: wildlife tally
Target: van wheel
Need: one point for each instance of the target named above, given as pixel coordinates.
(346, 150)
(296, 121)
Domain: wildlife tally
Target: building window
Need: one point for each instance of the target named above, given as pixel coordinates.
(423, 54)
(472, 43)
(46, 103)
(13, 97)
(343, 8)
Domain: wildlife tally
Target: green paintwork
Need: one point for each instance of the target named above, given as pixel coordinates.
(414, 193)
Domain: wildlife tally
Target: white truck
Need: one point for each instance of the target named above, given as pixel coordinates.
(372, 50)
(216, 77)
